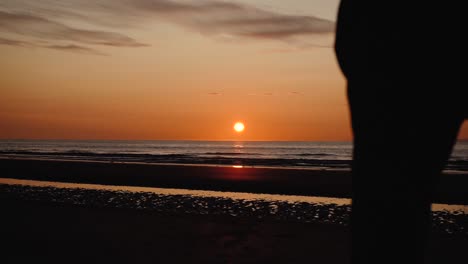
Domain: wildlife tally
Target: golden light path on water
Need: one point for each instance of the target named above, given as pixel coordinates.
(203, 193)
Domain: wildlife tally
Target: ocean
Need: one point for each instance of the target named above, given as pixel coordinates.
(313, 155)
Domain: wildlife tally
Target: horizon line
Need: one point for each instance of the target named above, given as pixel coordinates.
(191, 140)
(187, 140)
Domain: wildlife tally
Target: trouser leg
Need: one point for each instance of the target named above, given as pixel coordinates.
(398, 157)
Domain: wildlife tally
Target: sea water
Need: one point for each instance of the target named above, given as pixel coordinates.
(324, 155)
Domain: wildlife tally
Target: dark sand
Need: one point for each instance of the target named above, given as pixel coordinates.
(52, 232)
(329, 183)
(34, 232)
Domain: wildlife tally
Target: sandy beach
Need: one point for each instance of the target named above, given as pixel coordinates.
(86, 225)
(56, 233)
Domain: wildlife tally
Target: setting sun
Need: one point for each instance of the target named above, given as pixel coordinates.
(239, 127)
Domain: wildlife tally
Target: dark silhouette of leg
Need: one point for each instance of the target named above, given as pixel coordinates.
(399, 153)
(407, 104)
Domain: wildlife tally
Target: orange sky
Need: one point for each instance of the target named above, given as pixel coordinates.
(171, 70)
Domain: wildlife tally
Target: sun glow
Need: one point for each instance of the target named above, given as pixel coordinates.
(239, 127)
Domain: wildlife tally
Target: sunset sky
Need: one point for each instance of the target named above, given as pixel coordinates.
(163, 69)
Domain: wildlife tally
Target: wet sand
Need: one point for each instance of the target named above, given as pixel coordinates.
(449, 219)
(329, 183)
(45, 232)
(48, 233)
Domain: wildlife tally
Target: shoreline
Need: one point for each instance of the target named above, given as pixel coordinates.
(14, 157)
(450, 219)
(290, 181)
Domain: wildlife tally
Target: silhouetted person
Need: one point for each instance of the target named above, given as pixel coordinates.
(408, 98)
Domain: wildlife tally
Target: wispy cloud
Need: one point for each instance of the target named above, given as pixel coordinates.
(36, 26)
(214, 93)
(49, 20)
(75, 48)
(228, 18)
(69, 47)
(12, 42)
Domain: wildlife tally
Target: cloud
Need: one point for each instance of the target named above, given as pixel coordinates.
(228, 18)
(69, 47)
(50, 20)
(12, 42)
(75, 48)
(214, 93)
(35, 26)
